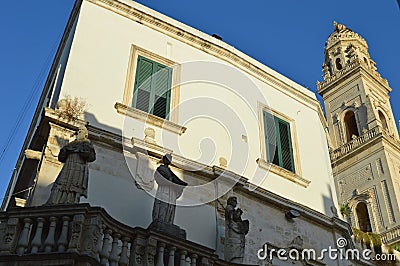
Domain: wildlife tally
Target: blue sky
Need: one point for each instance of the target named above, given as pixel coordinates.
(285, 35)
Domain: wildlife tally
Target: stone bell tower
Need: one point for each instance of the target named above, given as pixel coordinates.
(364, 141)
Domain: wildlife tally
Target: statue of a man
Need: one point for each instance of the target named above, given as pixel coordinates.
(72, 182)
(235, 232)
(170, 188)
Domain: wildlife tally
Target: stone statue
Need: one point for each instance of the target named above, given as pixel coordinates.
(235, 232)
(170, 188)
(72, 182)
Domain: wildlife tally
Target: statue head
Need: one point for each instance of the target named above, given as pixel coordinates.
(167, 159)
(82, 133)
(232, 201)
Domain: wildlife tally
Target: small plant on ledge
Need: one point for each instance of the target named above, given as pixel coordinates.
(345, 210)
(71, 108)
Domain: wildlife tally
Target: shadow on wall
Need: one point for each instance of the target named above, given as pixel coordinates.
(329, 204)
(92, 121)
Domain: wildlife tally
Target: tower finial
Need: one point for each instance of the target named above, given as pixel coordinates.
(338, 27)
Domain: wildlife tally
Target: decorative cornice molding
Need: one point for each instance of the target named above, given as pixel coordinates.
(348, 70)
(283, 173)
(207, 46)
(149, 148)
(99, 136)
(149, 118)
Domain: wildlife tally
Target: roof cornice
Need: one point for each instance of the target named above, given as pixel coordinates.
(213, 47)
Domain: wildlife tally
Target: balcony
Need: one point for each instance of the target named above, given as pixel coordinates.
(362, 140)
(391, 236)
(349, 67)
(354, 144)
(83, 235)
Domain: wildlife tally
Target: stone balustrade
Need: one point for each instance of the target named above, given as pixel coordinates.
(361, 140)
(90, 234)
(355, 63)
(391, 235)
(355, 143)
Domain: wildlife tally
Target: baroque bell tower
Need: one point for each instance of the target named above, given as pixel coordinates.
(363, 138)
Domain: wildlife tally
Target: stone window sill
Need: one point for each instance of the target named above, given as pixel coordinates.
(149, 118)
(283, 172)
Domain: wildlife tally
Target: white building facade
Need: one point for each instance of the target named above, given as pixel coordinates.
(153, 86)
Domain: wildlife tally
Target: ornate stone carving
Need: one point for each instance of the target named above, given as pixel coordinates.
(72, 182)
(144, 172)
(236, 230)
(150, 135)
(223, 162)
(8, 231)
(76, 231)
(325, 70)
(90, 236)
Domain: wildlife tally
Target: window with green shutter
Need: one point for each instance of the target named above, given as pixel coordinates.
(152, 91)
(278, 142)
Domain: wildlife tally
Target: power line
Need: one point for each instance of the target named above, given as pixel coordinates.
(29, 100)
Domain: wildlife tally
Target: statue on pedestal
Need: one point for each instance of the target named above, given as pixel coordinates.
(235, 232)
(72, 182)
(170, 188)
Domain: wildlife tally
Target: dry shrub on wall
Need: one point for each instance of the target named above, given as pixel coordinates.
(71, 108)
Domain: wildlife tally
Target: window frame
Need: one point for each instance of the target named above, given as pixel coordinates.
(263, 161)
(152, 92)
(127, 100)
(278, 144)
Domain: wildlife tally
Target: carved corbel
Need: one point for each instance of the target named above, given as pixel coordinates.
(33, 155)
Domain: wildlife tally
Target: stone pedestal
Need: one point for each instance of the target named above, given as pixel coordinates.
(168, 229)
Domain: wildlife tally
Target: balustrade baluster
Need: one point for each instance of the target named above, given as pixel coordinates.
(114, 250)
(194, 259)
(37, 239)
(171, 259)
(24, 237)
(49, 243)
(160, 255)
(63, 241)
(124, 259)
(205, 262)
(183, 257)
(104, 254)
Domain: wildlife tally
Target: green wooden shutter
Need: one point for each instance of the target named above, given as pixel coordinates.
(285, 145)
(142, 90)
(152, 92)
(270, 138)
(162, 90)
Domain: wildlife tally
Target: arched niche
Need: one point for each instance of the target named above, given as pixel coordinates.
(350, 125)
(383, 120)
(362, 216)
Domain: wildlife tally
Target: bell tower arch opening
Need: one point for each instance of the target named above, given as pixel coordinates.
(338, 64)
(350, 125)
(382, 118)
(364, 222)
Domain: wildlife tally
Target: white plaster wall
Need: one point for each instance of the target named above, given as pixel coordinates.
(97, 69)
(112, 187)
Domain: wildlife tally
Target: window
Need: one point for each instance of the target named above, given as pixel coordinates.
(278, 142)
(350, 125)
(383, 120)
(364, 224)
(338, 64)
(152, 90)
